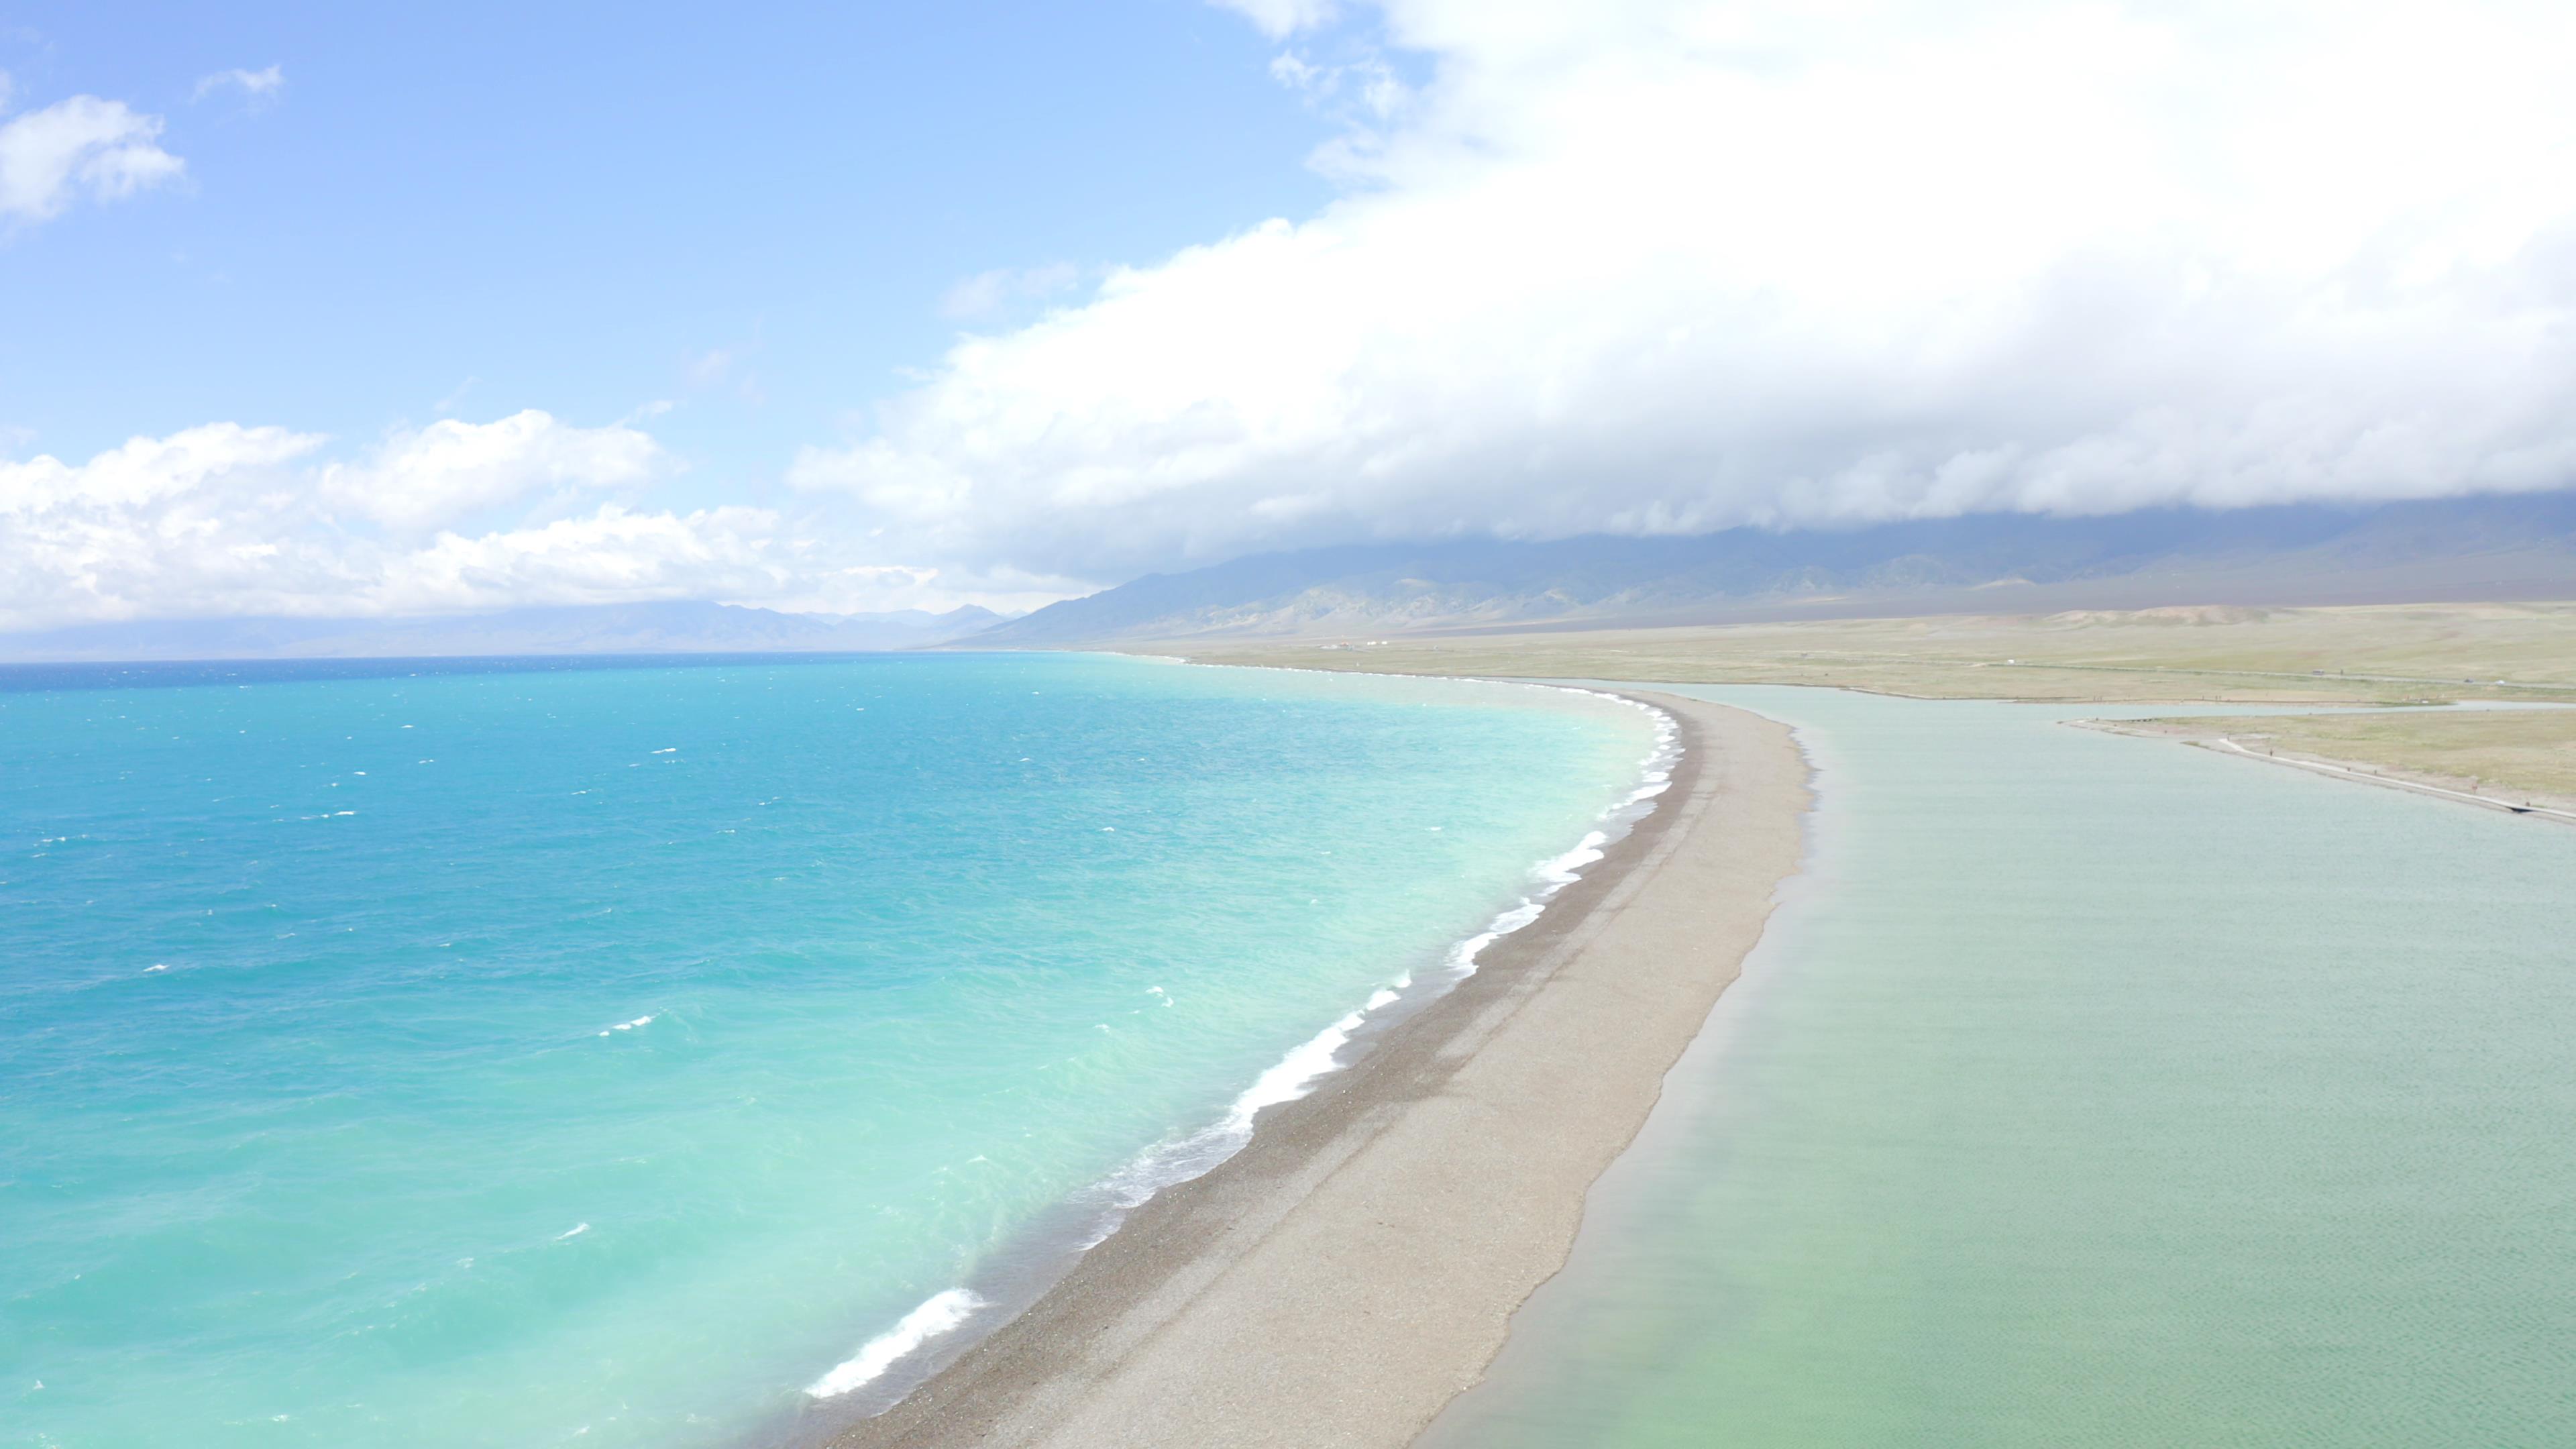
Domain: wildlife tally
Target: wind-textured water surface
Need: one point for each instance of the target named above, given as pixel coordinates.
(2094, 1091)
(517, 1055)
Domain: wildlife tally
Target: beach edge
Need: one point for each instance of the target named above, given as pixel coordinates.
(1356, 1266)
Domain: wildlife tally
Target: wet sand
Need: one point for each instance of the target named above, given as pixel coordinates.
(1357, 1264)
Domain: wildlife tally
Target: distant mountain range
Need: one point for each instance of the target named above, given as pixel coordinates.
(2456, 549)
(665, 628)
(2519, 547)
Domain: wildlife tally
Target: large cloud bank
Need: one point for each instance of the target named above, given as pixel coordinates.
(454, 517)
(1678, 266)
(1631, 266)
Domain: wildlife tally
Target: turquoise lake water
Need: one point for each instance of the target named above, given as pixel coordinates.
(2094, 1091)
(531, 1054)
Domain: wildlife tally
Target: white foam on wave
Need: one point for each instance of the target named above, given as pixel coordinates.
(575, 1231)
(1174, 1161)
(1564, 870)
(1293, 1077)
(1461, 962)
(939, 1314)
(645, 1020)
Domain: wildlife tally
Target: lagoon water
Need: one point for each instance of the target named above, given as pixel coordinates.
(526, 1054)
(2090, 1091)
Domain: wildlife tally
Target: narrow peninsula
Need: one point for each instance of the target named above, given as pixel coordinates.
(1357, 1265)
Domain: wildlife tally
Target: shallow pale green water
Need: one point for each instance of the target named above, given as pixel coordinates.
(2095, 1091)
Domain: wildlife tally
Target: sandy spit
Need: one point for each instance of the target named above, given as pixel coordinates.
(1357, 1264)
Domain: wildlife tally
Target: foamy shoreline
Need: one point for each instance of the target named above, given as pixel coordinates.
(1339, 1275)
(948, 1323)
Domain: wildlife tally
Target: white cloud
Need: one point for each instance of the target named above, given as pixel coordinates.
(1677, 266)
(425, 478)
(609, 556)
(259, 86)
(148, 471)
(198, 522)
(81, 146)
(232, 520)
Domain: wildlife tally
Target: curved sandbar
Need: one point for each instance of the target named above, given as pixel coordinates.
(1357, 1264)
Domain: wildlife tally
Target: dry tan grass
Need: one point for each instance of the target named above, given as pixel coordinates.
(2378, 654)
(2525, 755)
(2420, 653)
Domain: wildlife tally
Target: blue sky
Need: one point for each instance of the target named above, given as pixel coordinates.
(378, 310)
(471, 209)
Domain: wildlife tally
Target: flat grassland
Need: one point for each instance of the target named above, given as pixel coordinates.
(2521, 756)
(2377, 654)
(2393, 654)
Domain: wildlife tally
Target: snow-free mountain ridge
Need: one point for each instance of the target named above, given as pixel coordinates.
(2463, 549)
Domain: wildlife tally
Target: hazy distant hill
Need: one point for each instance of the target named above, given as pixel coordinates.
(2486, 548)
(2463, 549)
(665, 628)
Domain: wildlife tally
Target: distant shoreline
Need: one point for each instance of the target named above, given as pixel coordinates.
(1356, 1265)
(2539, 805)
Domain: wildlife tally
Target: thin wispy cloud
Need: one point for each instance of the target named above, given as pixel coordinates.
(455, 398)
(995, 293)
(1364, 90)
(260, 87)
(1279, 18)
(709, 368)
(726, 371)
